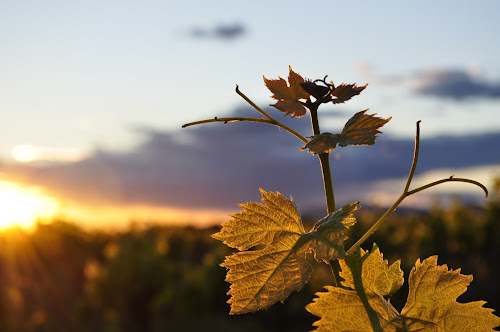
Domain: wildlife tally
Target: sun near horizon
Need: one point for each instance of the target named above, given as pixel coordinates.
(22, 206)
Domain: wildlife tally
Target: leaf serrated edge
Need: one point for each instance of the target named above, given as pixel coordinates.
(241, 310)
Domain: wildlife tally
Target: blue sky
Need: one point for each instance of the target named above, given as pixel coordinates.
(85, 79)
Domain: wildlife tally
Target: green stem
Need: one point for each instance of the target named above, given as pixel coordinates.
(407, 192)
(450, 179)
(324, 159)
(355, 264)
(415, 158)
(313, 108)
(225, 120)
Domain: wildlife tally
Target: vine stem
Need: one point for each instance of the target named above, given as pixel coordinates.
(407, 192)
(355, 264)
(225, 120)
(324, 159)
(269, 120)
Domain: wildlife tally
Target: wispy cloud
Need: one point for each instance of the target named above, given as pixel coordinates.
(454, 84)
(219, 31)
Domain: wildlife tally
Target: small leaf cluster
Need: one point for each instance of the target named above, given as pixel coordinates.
(294, 99)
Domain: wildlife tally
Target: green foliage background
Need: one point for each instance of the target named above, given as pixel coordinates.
(60, 277)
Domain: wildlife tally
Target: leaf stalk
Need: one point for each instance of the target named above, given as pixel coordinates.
(269, 120)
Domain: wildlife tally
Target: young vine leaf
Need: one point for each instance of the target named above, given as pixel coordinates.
(344, 92)
(361, 129)
(260, 223)
(431, 304)
(378, 277)
(328, 233)
(288, 95)
(350, 309)
(277, 264)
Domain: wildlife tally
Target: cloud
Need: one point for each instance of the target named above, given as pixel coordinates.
(454, 84)
(218, 166)
(220, 31)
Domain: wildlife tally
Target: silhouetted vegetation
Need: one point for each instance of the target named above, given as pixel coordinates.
(60, 277)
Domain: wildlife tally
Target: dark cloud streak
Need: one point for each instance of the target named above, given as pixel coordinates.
(220, 31)
(219, 166)
(455, 84)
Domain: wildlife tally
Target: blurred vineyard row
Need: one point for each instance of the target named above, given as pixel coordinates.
(59, 277)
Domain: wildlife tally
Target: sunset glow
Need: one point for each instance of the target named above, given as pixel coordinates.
(26, 153)
(22, 206)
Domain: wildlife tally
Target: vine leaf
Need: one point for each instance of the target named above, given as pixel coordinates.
(260, 223)
(361, 129)
(359, 308)
(272, 244)
(329, 232)
(378, 277)
(260, 278)
(432, 302)
(342, 310)
(344, 92)
(288, 95)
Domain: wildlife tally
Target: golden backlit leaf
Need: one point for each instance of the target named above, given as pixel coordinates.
(288, 95)
(342, 310)
(260, 278)
(361, 129)
(277, 266)
(378, 277)
(262, 223)
(432, 305)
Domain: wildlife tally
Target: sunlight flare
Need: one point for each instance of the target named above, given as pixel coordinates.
(22, 206)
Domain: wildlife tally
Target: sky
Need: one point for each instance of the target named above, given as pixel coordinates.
(93, 95)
